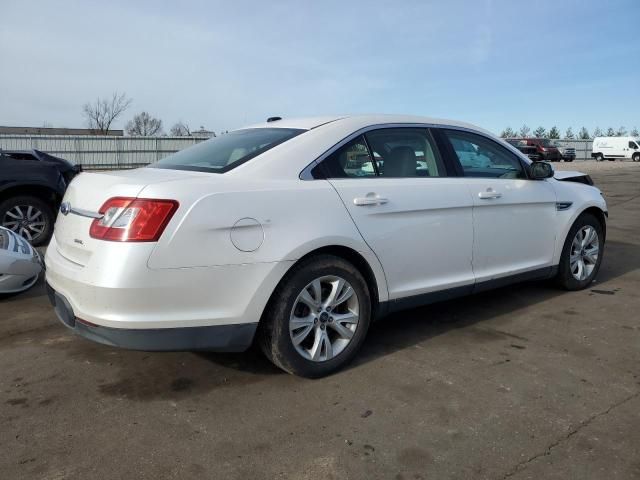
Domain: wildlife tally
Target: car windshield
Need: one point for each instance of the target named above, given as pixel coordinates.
(547, 143)
(223, 153)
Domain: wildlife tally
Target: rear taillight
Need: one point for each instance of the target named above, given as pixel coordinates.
(133, 219)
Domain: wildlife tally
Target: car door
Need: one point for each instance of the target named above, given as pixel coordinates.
(415, 218)
(513, 217)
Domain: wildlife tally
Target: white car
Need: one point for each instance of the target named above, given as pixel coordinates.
(300, 232)
(20, 263)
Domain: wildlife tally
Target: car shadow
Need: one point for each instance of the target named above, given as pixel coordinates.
(411, 327)
(396, 332)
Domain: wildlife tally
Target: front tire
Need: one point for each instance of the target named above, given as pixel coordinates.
(636, 157)
(581, 254)
(317, 318)
(29, 217)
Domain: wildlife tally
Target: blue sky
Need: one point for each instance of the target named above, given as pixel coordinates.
(225, 64)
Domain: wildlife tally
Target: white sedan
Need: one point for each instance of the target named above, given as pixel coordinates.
(20, 263)
(298, 233)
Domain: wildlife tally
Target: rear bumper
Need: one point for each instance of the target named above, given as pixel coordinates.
(221, 338)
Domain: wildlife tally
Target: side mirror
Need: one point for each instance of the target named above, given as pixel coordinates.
(540, 170)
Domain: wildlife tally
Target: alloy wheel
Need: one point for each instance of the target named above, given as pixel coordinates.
(25, 220)
(324, 318)
(584, 253)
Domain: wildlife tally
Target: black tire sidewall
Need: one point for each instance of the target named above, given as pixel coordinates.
(565, 277)
(47, 212)
(282, 350)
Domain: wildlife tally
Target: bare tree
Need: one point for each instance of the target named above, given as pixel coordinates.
(103, 112)
(180, 129)
(569, 135)
(634, 132)
(597, 132)
(144, 125)
(622, 132)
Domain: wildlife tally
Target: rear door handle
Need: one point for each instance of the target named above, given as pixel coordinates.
(370, 199)
(490, 194)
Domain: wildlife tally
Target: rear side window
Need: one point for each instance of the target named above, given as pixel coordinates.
(20, 156)
(223, 153)
(482, 157)
(350, 161)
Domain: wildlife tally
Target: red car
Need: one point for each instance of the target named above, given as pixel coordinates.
(545, 149)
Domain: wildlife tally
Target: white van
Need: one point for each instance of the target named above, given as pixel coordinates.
(616, 147)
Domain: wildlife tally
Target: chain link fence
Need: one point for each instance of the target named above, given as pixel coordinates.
(583, 147)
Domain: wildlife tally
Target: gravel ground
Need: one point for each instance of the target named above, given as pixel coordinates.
(525, 382)
(591, 166)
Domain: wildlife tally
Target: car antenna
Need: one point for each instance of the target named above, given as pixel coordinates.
(273, 119)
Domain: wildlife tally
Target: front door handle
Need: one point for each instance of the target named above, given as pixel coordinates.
(490, 194)
(370, 198)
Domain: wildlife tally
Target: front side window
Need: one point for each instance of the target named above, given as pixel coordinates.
(387, 152)
(633, 145)
(482, 157)
(221, 154)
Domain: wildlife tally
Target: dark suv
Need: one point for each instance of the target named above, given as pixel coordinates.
(32, 184)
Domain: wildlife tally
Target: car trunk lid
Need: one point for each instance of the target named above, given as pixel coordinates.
(87, 193)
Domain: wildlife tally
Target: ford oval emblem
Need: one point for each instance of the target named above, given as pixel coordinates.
(65, 208)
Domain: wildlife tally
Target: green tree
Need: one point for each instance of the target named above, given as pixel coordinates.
(634, 132)
(611, 132)
(569, 134)
(554, 133)
(524, 131)
(622, 132)
(540, 132)
(597, 132)
(584, 134)
(508, 133)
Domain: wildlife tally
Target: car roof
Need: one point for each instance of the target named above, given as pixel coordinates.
(357, 121)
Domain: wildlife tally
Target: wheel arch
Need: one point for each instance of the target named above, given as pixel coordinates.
(44, 193)
(600, 214)
(591, 208)
(373, 274)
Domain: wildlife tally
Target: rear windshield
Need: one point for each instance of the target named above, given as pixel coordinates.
(223, 153)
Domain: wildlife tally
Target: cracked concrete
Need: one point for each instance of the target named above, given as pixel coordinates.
(570, 434)
(526, 382)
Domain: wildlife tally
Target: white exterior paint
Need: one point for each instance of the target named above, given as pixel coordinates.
(617, 147)
(432, 234)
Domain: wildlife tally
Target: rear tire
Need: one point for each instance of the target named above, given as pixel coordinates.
(29, 217)
(292, 314)
(599, 157)
(581, 255)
